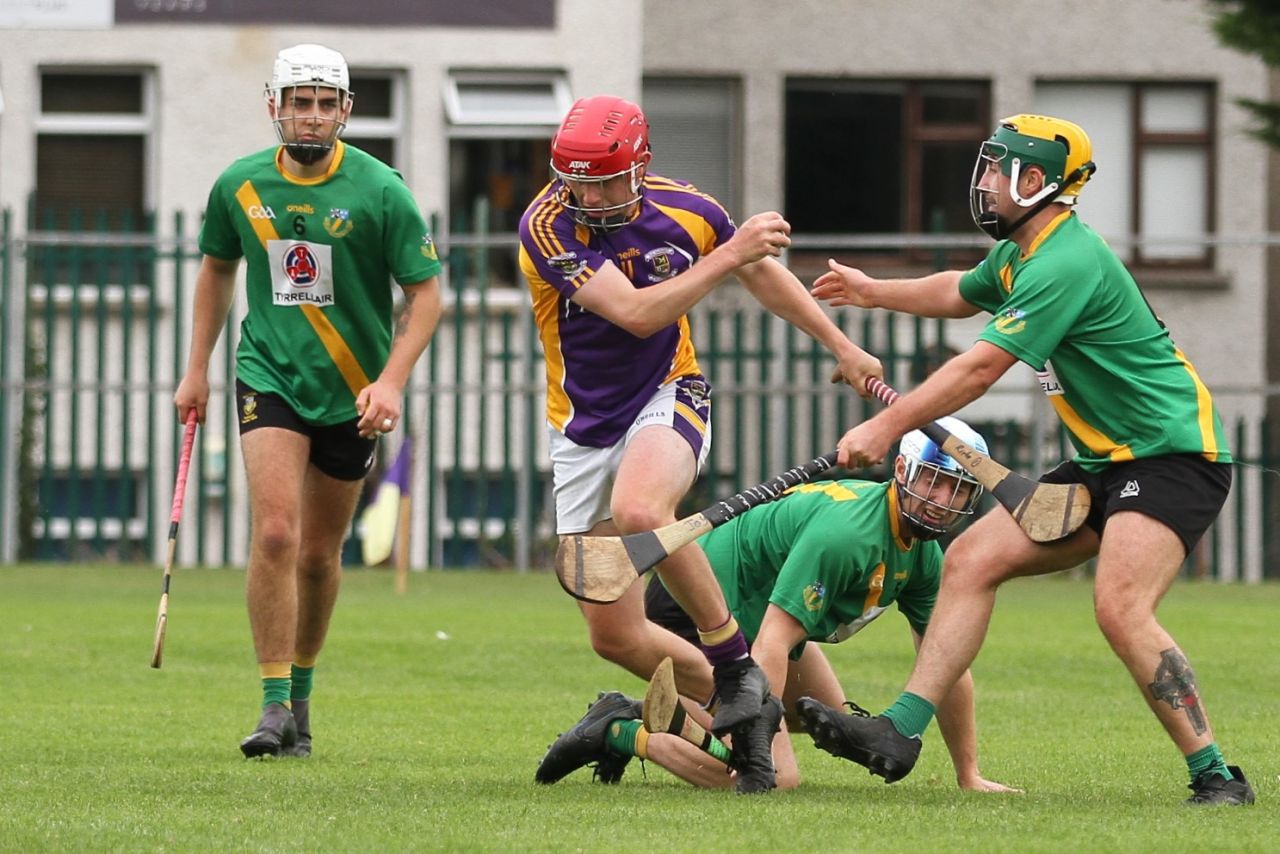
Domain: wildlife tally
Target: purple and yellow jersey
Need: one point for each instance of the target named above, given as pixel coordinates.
(599, 376)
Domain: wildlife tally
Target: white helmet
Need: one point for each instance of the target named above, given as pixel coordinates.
(309, 65)
(925, 465)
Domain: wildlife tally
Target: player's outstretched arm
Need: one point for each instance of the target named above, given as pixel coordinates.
(935, 295)
(778, 290)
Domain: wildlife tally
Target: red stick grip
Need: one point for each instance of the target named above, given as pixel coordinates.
(881, 390)
(184, 463)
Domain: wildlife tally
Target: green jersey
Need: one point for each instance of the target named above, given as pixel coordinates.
(321, 254)
(1070, 310)
(830, 554)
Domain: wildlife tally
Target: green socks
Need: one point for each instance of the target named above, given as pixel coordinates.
(302, 677)
(1208, 759)
(910, 715)
(625, 738)
(275, 690)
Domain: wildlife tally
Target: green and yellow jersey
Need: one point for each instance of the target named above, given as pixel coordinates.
(830, 554)
(1070, 310)
(321, 254)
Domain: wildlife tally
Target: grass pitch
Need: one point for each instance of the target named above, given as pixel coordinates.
(432, 710)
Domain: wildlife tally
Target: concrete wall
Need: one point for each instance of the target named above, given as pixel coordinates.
(1013, 45)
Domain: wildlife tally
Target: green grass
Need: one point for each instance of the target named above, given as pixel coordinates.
(432, 710)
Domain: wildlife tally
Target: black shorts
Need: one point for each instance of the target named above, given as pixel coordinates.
(338, 450)
(661, 608)
(1182, 491)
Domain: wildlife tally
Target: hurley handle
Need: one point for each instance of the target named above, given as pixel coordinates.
(724, 510)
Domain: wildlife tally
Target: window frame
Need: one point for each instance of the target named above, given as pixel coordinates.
(394, 127)
(912, 257)
(1206, 141)
(461, 123)
(144, 124)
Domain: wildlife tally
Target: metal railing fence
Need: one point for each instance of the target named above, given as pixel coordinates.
(96, 324)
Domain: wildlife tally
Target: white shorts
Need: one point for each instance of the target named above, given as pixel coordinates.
(582, 477)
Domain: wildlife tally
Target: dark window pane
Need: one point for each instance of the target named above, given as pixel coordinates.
(953, 103)
(506, 174)
(372, 96)
(844, 155)
(89, 177)
(946, 173)
(383, 149)
(90, 93)
(90, 183)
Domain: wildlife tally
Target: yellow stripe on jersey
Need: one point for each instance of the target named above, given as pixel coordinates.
(1100, 443)
(330, 337)
(544, 236)
(685, 361)
(704, 236)
(546, 301)
(1044, 235)
(1204, 406)
(1006, 278)
(875, 587)
(833, 489)
(895, 521)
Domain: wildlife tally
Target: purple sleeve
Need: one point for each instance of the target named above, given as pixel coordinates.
(549, 238)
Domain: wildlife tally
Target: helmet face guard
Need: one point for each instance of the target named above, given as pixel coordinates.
(598, 155)
(934, 493)
(308, 72)
(603, 215)
(1060, 149)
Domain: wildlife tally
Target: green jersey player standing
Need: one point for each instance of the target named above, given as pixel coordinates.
(1149, 444)
(324, 228)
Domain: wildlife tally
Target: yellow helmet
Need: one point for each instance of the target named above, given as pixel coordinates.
(1059, 147)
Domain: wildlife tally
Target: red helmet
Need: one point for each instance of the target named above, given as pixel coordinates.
(601, 138)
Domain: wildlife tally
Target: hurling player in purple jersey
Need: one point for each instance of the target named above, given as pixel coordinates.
(615, 257)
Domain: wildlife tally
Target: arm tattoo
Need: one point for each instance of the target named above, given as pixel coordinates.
(1175, 683)
(402, 322)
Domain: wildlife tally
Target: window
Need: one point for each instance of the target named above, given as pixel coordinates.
(92, 148)
(377, 122)
(1154, 146)
(500, 127)
(93, 174)
(878, 157)
(695, 131)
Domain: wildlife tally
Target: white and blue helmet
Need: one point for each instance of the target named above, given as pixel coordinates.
(925, 468)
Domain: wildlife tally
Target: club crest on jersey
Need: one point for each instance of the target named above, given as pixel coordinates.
(428, 248)
(814, 594)
(660, 260)
(567, 263)
(1011, 321)
(301, 267)
(338, 223)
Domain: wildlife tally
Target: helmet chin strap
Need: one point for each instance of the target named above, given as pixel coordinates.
(999, 228)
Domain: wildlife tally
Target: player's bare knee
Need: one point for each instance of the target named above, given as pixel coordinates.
(275, 538)
(315, 566)
(1120, 622)
(632, 515)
